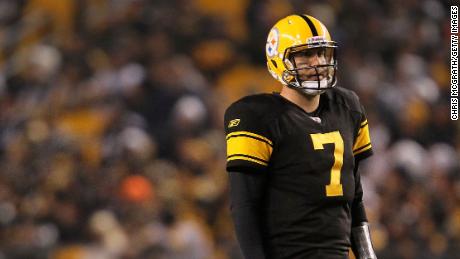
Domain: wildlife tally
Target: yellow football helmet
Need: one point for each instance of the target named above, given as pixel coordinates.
(306, 36)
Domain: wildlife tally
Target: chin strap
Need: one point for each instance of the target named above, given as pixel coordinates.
(362, 239)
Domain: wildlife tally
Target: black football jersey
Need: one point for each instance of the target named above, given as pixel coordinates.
(309, 161)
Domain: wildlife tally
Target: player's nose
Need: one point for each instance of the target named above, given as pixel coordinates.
(316, 60)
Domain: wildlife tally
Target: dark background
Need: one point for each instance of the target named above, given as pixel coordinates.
(111, 113)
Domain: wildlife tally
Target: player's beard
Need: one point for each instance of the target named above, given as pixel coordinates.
(316, 83)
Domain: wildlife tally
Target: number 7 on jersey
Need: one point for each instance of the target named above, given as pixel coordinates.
(334, 188)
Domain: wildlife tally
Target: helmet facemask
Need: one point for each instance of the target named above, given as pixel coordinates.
(311, 79)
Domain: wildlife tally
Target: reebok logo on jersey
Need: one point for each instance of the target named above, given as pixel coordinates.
(233, 123)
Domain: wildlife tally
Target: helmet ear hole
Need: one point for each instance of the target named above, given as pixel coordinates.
(273, 70)
(274, 63)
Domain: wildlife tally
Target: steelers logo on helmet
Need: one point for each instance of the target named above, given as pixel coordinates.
(302, 37)
(271, 47)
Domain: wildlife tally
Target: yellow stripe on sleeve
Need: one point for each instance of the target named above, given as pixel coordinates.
(236, 133)
(247, 159)
(362, 150)
(248, 146)
(363, 138)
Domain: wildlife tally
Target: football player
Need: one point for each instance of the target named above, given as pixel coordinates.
(293, 156)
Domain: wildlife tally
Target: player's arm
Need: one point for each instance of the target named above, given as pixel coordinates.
(248, 152)
(246, 196)
(360, 234)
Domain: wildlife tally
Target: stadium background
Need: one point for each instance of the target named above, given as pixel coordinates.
(111, 135)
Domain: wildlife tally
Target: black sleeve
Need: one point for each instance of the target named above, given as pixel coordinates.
(362, 149)
(358, 213)
(246, 197)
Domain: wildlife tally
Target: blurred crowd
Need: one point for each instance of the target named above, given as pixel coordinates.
(111, 113)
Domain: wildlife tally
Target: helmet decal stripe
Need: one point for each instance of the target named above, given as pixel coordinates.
(310, 24)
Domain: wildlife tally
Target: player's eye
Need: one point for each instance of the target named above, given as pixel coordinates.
(321, 52)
